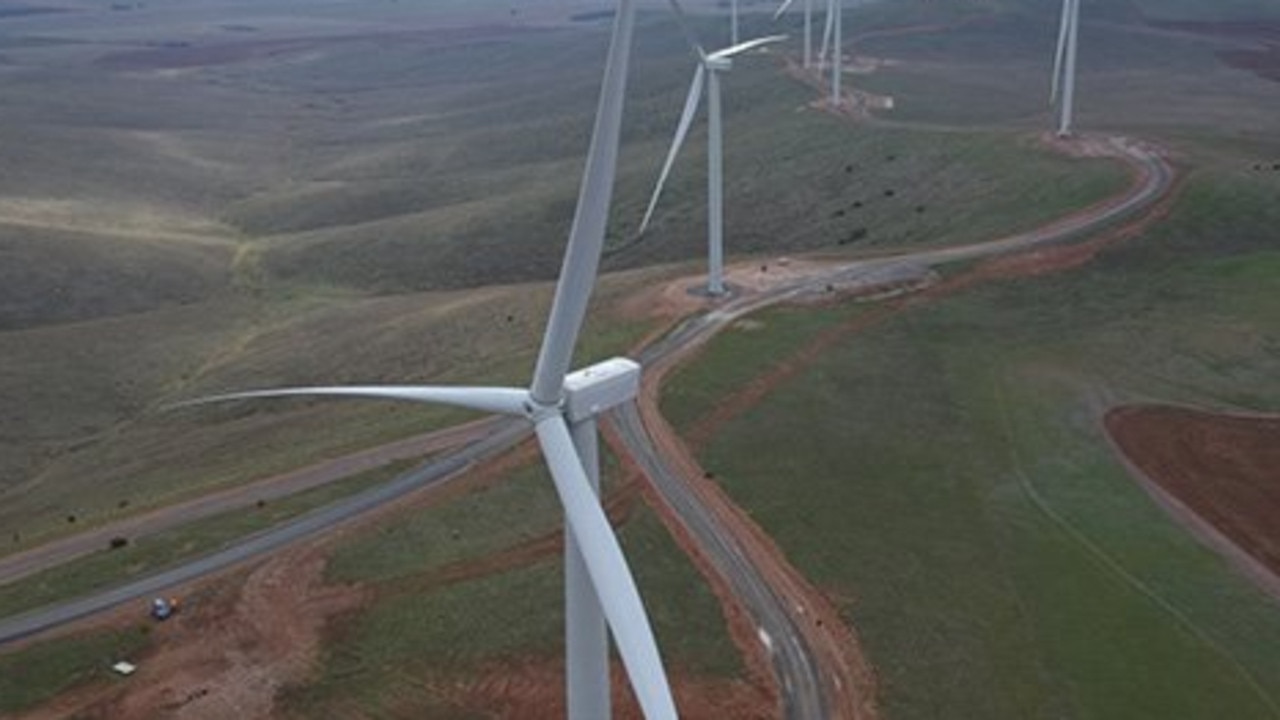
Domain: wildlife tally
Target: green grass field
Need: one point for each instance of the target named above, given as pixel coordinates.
(422, 631)
(946, 477)
(40, 673)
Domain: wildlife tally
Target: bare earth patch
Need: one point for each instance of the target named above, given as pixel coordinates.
(535, 691)
(1218, 474)
(228, 656)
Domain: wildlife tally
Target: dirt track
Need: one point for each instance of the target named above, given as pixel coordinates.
(1219, 474)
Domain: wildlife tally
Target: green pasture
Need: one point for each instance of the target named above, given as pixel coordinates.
(946, 480)
(423, 633)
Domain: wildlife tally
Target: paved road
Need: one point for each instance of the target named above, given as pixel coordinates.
(789, 653)
(804, 694)
(19, 565)
(505, 434)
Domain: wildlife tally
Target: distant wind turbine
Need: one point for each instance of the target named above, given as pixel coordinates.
(563, 407)
(1063, 94)
(808, 27)
(707, 73)
(832, 38)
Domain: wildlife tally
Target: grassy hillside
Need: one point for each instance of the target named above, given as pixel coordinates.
(102, 439)
(947, 481)
(242, 210)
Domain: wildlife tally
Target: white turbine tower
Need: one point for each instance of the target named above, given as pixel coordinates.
(563, 408)
(733, 22)
(1063, 95)
(708, 72)
(808, 27)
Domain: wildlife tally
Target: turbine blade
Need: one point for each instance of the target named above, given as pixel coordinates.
(782, 9)
(686, 119)
(1061, 54)
(607, 567)
(689, 35)
(745, 46)
(586, 238)
(505, 401)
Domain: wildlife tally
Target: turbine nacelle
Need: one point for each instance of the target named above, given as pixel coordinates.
(594, 390)
(718, 64)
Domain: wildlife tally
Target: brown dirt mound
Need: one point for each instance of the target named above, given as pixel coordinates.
(1222, 469)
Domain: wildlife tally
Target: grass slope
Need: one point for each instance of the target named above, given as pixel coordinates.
(131, 450)
(422, 635)
(945, 477)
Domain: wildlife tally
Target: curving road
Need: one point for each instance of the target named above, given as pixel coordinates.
(789, 653)
(806, 693)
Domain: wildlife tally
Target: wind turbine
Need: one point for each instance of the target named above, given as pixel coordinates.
(1063, 95)
(563, 407)
(808, 27)
(834, 29)
(707, 73)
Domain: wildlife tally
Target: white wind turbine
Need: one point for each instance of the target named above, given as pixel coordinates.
(833, 38)
(808, 27)
(708, 72)
(1063, 95)
(563, 407)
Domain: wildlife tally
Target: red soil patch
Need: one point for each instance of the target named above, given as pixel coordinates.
(1222, 469)
(535, 691)
(228, 655)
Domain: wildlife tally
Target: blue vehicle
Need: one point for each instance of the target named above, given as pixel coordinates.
(162, 609)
